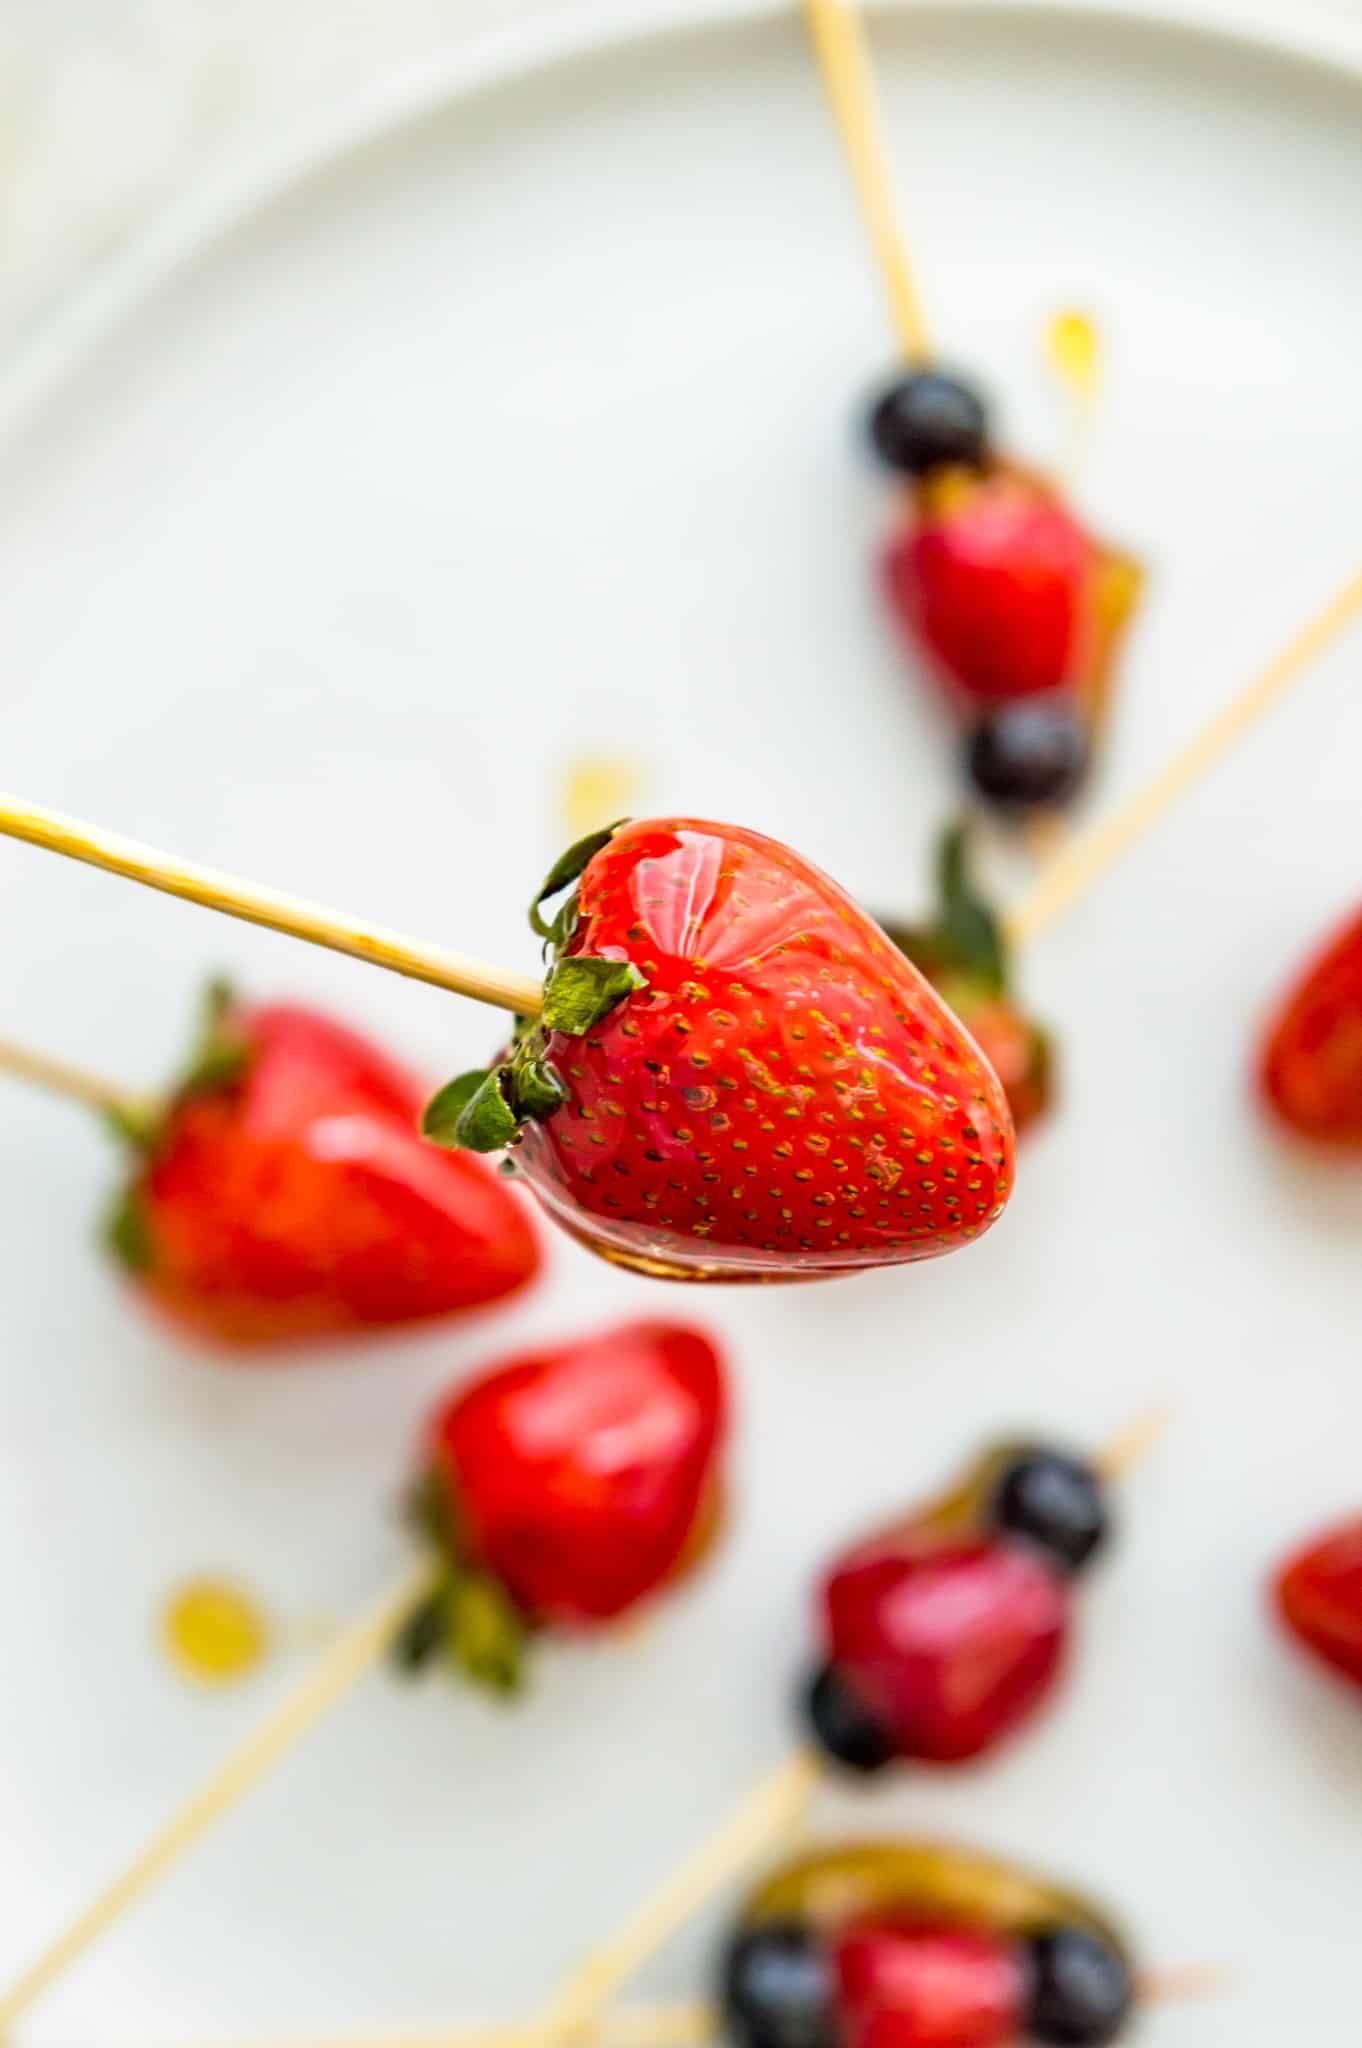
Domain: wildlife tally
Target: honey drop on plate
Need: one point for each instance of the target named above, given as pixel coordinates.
(214, 1631)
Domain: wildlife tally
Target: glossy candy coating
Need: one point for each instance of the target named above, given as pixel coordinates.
(1318, 1593)
(585, 1476)
(1311, 1063)
(296, 1198)
(831, 1889)
(786, 1098)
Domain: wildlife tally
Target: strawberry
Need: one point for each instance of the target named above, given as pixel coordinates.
(736, 1075)
(564, 1487)
(902, 1944)
(1318, 1594)
(920, 1984)
(1007, 592)
(963, 953)
(283, 1191)
(945, 1632)
(1311, 1064)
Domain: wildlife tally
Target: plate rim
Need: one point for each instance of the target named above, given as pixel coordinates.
(1324, 34)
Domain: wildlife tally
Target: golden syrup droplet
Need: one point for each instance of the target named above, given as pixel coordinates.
(597, 789)
(213, 1630)
(1074, 351)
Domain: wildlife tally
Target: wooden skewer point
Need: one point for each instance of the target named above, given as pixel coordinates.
(1132, 1442)
(278, 912)
(77, 1083)
(843, 54)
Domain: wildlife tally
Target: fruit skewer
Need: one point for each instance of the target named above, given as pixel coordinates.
(1077, 868)
(280, 1189)
(1018, 607)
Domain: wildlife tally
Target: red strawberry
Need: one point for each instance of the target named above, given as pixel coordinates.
(1311, 1067)
(963, 953)
(1006, 590)
(921, 1984)
(948, 1646)
(736, 1075)
(1319, 1596)
(565, 1486)
(284, 1191)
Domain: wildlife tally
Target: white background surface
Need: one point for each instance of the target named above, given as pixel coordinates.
(528, 430)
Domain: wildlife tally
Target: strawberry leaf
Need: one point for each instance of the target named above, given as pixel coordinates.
(564, 872)
(126, 1234)
(969, 930)
(583, 989)
(440, 1119)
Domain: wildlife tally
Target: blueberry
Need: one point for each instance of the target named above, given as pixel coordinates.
(775, 1989)
(1080, 1992)
(1055, 1502)
(927, 419)
(1028, 754)
(843, 1726)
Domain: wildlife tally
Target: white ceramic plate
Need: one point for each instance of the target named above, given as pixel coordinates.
(523, 429)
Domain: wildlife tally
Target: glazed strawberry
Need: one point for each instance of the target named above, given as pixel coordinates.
(944, 1633)
(1008, 593)
(948, 1646)
(1319, 1596)
(1311, 1065)
(898, 1944)
(920, 1984)
(566, 1486)
(964, 954)
(736, 1075)
(284, 1191)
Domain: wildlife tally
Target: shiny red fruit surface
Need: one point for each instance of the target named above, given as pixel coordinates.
(786, 1097)
(1311, 1063)
(998, 581)
(585, 1476)
(914, 1984)
(1319, 1596)
(951, 1644)
(298, 1198)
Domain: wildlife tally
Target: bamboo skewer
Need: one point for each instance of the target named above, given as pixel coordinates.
(78, 1084)
(1089, 854)
(330, 1678)
(278, 912)
(839, 42)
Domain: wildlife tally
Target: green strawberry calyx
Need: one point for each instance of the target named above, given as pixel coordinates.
(483, 1110)
(964, 943)
(467, 1619)
(218, 1060)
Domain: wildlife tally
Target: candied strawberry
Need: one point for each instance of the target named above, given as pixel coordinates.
(1319, 1596)
(947, 1645)
(567, 1485)
(923, 1984)
(737, 1076)
(963, 953)
(1002, 585)
(1311, 1063)
(285, 1191)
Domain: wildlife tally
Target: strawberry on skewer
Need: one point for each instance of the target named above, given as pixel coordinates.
(896, 1944)
(736, 1075)
(1310, 1066)
(1317, 1594)
(944, 1633)
(280, 1189)
(562, 1489)
(990, 574)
